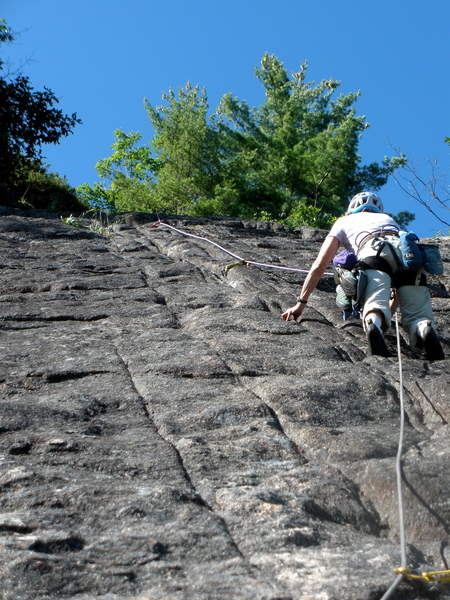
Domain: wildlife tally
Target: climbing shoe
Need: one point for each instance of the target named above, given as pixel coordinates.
(375, 338)
(348, 281)
(342, 300)
(428, 341)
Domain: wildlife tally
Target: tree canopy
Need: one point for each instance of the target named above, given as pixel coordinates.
(294, 157)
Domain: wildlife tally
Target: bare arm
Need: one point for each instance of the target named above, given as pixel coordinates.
(325, 256)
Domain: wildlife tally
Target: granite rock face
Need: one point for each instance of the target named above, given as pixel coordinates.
(166, 435)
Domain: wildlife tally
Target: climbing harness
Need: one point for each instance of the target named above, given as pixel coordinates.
(408, 261)
(437, 577)
(241, 261)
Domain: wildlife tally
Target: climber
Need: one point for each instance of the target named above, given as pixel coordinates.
(374, 237)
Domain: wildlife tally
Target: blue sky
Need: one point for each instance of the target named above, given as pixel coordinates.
(102, 57)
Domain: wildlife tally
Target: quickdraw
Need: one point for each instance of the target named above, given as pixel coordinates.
(432, 577)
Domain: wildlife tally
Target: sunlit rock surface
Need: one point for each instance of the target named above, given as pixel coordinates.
(166, 435)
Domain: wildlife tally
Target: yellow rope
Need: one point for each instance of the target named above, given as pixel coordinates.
(432, 577)
(241, 263)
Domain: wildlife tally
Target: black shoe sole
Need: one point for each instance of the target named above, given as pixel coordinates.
(377, 345)
(432, 345)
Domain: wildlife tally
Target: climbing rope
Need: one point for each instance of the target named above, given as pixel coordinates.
(241, 261)
(403, 571)
(400, 572)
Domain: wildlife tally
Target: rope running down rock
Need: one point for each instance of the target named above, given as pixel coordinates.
(241, 261)
(403, 572)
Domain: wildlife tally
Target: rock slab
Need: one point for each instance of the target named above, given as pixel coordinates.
(165, 435)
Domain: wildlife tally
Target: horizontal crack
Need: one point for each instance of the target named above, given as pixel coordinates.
(37, 318)
(67, 375)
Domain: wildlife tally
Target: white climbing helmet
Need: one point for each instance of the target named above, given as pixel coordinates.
(365, 201)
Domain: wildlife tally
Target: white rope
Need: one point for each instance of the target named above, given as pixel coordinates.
(249, 262)
(400, 577)
(398, 466)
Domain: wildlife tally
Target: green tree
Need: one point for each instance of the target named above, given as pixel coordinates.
(403, 218)
(128, 177)
(187, 144)
(5, 35)
(294, 158)
(39, 188)
(296, 155)
(28, 119)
